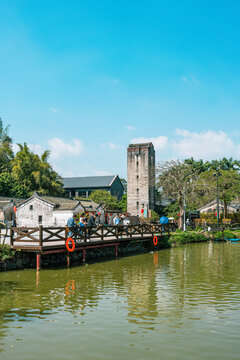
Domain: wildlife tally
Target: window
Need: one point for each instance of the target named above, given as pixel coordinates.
(137, 205)
(82, 193)
(137, 191)
(31, 207)
(40, 219)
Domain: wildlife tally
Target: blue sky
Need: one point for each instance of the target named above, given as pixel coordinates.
(86, 78)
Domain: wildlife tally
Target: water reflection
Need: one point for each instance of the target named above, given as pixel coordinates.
(163, 291)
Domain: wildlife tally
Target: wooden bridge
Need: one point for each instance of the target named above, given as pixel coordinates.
(48, 240)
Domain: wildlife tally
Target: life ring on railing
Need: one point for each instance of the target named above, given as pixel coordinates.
(70, 249)
(155, 240)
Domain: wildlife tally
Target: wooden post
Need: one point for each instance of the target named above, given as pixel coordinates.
(116, 250)
(40, 236)
(66, 232)
(11, 236)
(85, 234)
(130, 229)
(84, 255)
(102, 232)
(116, 232)
(38, 261)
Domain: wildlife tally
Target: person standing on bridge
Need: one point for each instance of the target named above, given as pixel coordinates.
(91, 224)
(71, 224)
(116, 220)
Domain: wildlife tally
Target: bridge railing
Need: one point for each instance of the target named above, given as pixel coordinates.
(43, 237)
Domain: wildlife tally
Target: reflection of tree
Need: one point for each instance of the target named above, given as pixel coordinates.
(182, 280)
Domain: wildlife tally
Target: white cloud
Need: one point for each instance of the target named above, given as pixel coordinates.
(36, 148)
(206, 145)
(159, 142)
(114, 146)
(130, 128)
(54, 110)
(102, 173)
(110, 145)
(190, 79)
(58, 147)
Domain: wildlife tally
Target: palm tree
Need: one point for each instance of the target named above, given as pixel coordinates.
(6, 152)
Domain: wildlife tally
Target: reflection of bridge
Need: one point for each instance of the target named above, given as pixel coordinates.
(50, 240)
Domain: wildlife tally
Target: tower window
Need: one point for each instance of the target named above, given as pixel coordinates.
(137, 205)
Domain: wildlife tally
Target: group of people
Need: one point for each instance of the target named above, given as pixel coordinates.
(91, 222)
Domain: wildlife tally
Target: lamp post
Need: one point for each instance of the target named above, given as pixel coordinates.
(184, 208)
(217, 174)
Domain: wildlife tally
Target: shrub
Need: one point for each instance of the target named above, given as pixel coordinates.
(181, 237)
(226, 234)
(6, 252)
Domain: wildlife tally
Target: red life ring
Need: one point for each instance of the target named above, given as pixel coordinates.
(73, 245)
(155, 240)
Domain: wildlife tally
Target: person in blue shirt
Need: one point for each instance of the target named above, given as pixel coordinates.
(116, 220)
(71, 223)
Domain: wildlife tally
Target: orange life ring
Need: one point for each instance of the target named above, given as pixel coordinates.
(155, 240)
(73, 245)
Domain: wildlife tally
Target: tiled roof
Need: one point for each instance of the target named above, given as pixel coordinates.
(4, 201)
(58, 203)
(89, 205)
(88, 181)
(61, 203)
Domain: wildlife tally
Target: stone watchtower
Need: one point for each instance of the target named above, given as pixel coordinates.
(140, 178)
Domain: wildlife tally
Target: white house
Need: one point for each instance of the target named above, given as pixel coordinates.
(46, 210)
(8, 209)
(212, 207)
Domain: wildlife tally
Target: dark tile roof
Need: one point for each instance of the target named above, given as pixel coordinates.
(59, 203)
(89, 205)
(88, 181)
(4, 201)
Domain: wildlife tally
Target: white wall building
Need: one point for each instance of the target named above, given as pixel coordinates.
(46, 210)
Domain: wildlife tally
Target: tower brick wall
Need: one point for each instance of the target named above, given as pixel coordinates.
(140, 178)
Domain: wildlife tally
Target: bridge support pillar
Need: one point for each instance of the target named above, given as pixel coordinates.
(116, 250)
(84, 255)
(38, 262)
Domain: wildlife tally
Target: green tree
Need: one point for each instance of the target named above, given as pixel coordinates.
(103, 197)
(228, 185)
(35, 173)
(124, 182)
(6, 153)
(177, 180)
(11, 187)
(123, 203)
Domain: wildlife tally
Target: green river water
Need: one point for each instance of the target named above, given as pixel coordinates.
(181, 303)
